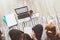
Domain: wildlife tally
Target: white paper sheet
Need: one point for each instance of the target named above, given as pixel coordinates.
(10, 20)
(28, 30)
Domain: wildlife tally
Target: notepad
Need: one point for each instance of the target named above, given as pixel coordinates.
(10, 20)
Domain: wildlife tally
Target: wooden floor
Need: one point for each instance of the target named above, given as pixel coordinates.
(43, 7)
(31, 23)
(48, 9)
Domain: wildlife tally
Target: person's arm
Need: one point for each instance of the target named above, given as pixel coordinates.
(34, 37)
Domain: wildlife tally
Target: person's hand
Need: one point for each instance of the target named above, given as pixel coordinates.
(34, 36)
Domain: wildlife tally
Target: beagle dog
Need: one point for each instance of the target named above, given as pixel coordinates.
(51, 32)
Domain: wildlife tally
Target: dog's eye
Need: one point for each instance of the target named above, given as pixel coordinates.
(45, 30)
(49, 32)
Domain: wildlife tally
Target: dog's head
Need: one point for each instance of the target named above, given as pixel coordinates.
(50, 30)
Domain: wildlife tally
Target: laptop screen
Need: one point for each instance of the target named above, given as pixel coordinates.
(22, 12)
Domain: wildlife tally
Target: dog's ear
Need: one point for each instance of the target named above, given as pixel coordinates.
(51, 25)
(46, 27)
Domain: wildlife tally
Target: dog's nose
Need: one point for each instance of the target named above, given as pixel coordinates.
(49, 31)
